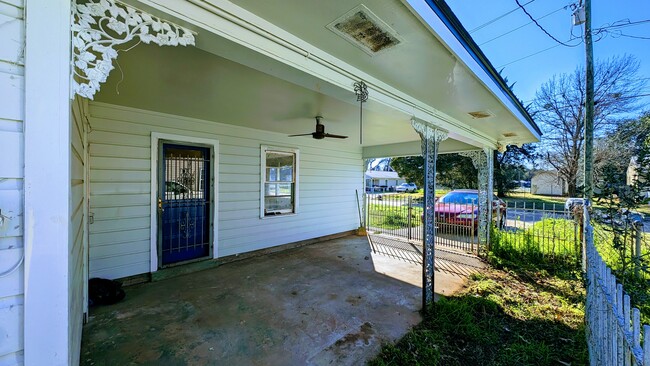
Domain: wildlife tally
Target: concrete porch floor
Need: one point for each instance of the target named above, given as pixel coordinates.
(331, 303)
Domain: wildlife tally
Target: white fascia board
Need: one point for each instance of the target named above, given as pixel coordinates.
(439, 29)
(242, 27)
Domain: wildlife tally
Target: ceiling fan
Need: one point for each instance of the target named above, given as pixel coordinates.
(320, 132)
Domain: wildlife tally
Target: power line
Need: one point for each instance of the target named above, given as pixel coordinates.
(542, 28)
(525, 57)
(536, 53)
(631, 36)
(623, 25)
(515, 29)
(497, 18)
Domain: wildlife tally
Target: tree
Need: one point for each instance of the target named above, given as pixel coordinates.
(410, 168)
(452, 170)
(559, 107)
(618, 200)
(380, 165)
(456, 171)
(509, 166)
(612, 152)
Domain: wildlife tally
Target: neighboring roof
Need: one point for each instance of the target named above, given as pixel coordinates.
(379, 174)
(445, 13)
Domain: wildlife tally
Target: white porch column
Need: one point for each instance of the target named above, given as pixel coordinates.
(47, 182)
(484, 163)
(431, 138)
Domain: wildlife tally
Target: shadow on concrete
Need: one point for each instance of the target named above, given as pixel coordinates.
(446, 260)
(332, 303)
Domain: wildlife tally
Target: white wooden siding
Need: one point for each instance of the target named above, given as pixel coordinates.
(120, 174)
(77, 233)
(12, 37)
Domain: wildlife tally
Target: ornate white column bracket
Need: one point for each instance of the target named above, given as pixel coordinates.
(99, 26)
(484, 163)
(431, 138)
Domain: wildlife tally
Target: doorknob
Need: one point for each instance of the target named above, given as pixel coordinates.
(160, 206)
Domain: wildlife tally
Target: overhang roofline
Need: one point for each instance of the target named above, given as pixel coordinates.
(449, 19)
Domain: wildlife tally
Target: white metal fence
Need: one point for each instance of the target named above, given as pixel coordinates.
(614, 329)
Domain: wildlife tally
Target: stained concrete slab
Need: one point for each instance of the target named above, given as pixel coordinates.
(332, 303)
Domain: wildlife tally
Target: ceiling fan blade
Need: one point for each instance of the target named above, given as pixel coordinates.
(335, 136)
(302, 134)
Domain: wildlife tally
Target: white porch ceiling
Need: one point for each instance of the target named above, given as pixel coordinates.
(194, 83)
(420, 66)
(227, 82)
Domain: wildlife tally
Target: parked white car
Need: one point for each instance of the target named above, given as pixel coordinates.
(406, 187)
(572, 202)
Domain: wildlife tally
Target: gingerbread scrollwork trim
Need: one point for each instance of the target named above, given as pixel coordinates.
(99, 26)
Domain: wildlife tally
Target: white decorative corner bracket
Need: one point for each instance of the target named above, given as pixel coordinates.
(99, 26)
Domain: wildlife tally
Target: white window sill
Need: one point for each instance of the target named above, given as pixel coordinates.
(277, 216)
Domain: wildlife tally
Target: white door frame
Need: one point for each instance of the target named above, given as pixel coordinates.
(214, 145)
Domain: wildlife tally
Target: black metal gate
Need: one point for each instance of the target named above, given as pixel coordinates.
(401, 215)
(184, 203)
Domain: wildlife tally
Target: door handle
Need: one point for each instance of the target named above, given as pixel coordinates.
(160, 206)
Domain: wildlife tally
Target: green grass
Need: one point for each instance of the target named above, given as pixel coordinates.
(548, 240)
(516, 314)
(644, 209)
(637, 287)
(420, 193)
(537, 202)
(393, 217)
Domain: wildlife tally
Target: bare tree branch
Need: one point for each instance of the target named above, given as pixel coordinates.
(560, 109)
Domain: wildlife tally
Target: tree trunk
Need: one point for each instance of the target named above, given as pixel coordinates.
(572, 189)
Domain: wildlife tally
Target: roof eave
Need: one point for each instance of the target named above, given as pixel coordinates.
(447, 16)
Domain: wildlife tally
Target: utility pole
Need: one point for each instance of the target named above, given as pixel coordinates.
(589, 106)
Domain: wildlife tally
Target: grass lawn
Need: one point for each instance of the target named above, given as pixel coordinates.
(535, 201)
(420, 193)
(393, 216)
(511, 314)
(645, 209)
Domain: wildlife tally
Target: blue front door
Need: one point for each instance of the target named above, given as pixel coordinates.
(184, 203)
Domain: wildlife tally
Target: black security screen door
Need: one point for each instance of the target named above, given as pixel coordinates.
(184, 203)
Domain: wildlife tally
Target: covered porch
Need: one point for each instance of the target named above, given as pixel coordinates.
(334, 302)
(246, 78)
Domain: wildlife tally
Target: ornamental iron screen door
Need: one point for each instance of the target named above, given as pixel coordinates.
(184, 202)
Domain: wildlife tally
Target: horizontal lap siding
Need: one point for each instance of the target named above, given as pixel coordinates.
(12, 37)
(120, 187)
(77, 230)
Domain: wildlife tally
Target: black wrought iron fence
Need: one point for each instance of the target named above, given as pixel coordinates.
(395, 214)
(540, 231)
(401, 215)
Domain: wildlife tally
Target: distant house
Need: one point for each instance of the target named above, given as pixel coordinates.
(382, 180)
(549, 183)
(632, 175)
(632, 171)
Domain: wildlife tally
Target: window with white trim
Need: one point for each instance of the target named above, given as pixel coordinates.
(279, 181)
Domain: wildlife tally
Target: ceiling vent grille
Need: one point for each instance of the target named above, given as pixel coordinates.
(365, 30)
(480, 114)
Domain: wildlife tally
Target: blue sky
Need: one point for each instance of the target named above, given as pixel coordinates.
(531, 72)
